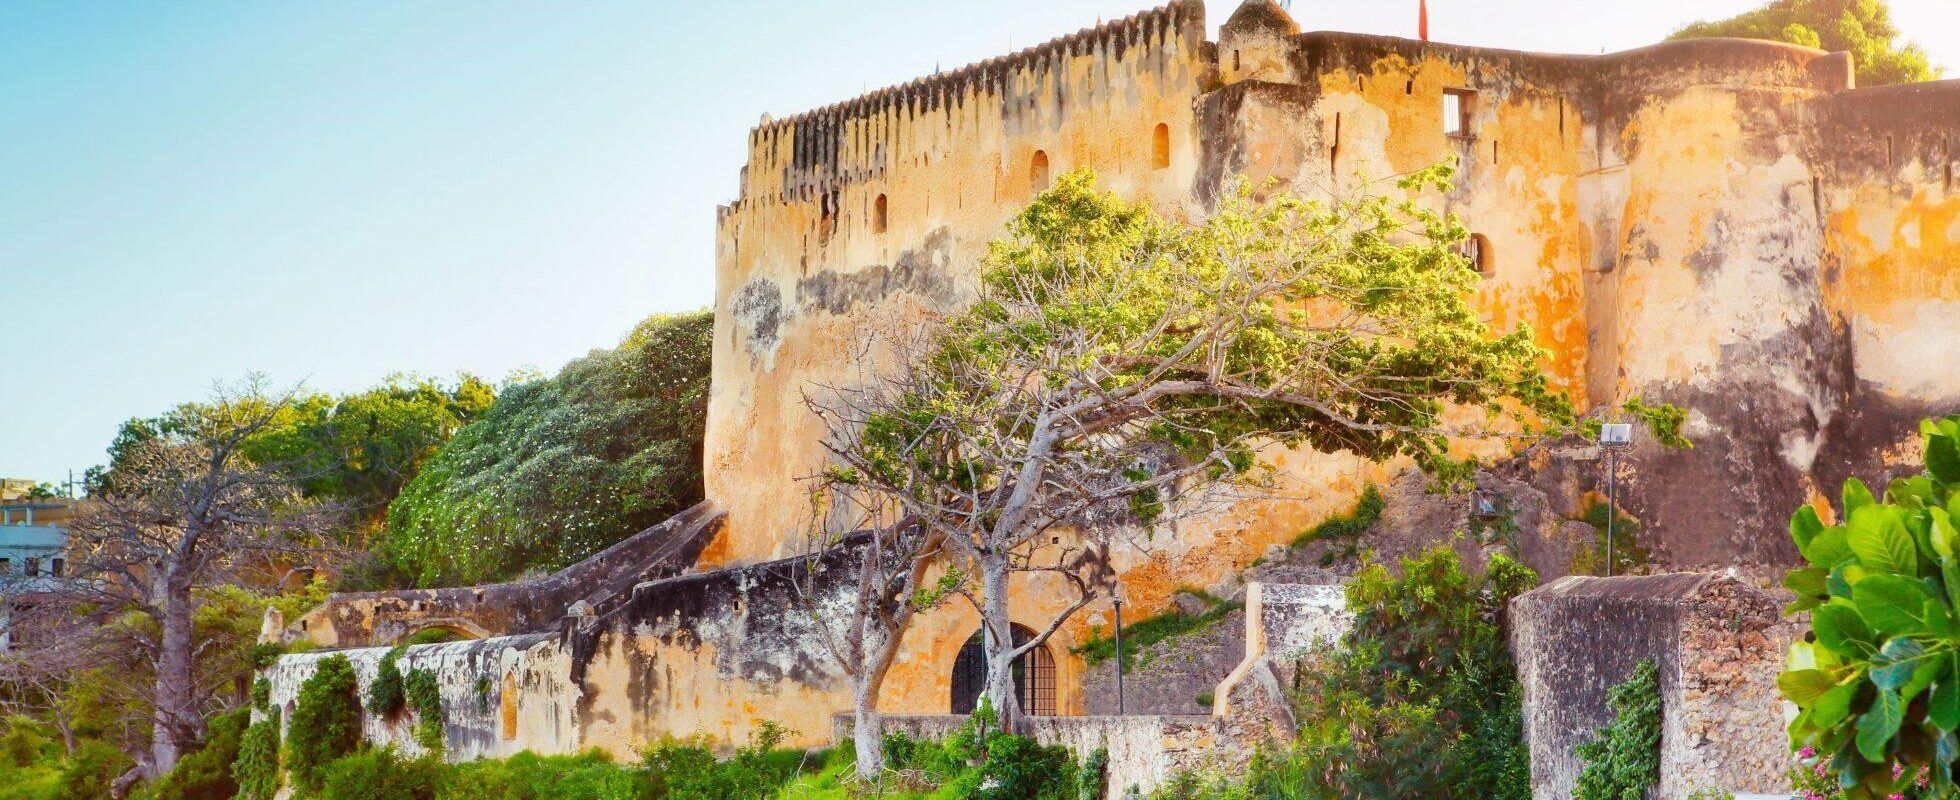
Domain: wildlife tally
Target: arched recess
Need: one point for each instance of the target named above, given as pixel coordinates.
(878, 215)
(1038, 171)
(448, 630)
(1160, 146)
(1034, 676)
(1476, 250)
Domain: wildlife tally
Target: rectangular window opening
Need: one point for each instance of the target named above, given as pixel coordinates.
(1458, 106)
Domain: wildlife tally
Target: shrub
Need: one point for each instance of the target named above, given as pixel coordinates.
(379, 774)
(326, 723)
(1092, 781)
(425, 699)
(207, 774)
(1019, 768)
(262, 694)
(1424, 699)
(1876, 679)
(89, 774)
(591, 775)
(686, 769)
(256, 769)
(385, 694)
(1626, 758)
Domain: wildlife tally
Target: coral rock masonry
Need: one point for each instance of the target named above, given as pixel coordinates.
(1730, 226)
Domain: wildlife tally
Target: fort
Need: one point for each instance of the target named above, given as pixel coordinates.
(1731, 226)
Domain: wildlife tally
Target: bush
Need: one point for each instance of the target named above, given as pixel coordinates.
(90, 773)
(1423, 701)
(1876, 680)
(1091, 782)
(1019, 768)
(686, 769)
(326, 723)
(379, 774)
(207, 773)
(385, 695)
(527, 776)
(1626, 758)
(256, 769)
(425, 699)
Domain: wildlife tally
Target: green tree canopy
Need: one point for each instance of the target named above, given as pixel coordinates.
(1861, 27)
(561, 467)
(355, 450)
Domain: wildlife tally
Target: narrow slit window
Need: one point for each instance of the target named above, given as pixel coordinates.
(1038, 171)
(878, 218)
(1160, 147)
(1476, 251)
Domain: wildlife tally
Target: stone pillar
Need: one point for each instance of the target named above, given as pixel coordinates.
(1718, 643)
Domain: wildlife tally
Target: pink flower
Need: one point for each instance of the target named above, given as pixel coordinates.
(1806, 752)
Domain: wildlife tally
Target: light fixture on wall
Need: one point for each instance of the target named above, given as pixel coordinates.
(1613, 437)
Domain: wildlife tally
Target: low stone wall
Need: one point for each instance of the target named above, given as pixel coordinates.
(1144, 751)
(499, 696)
(366, 619)
(1718, 643)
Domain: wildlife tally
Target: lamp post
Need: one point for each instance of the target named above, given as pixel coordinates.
(1613, 437)
(1117, 598)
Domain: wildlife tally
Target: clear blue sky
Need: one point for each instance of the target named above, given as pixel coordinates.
(332, 192)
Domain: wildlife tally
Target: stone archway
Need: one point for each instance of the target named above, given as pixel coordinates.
(456, 630)
(1034, 676)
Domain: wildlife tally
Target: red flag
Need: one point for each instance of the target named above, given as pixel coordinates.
(1423, 25)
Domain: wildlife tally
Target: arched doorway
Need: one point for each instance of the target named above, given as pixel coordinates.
(1034, 675)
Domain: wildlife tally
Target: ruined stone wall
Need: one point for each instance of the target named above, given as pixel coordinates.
(1718, 644)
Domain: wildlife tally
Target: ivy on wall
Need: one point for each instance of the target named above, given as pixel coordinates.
(1626, 758)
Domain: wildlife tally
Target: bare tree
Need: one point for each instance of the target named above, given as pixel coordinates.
(1122, 369)
(186, 511)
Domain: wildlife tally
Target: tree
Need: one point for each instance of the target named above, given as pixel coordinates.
(1121, 370)
(559, 468)
(355, 450)
(1878, 680)
(185, 512)
(1861, 27)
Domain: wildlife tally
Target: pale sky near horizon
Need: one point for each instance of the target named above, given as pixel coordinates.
(333, 192)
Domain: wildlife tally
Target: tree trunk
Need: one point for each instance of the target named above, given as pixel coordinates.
(176, 710)
(868, 730)
(999, 628)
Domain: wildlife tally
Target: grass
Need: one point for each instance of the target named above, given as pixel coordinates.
(1141, 635)
(833, 783)
(1366, 513)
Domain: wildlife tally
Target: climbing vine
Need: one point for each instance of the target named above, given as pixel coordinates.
(257, 767)
(385, 694)
(425, 699)
(1626, 758)
(326, 722)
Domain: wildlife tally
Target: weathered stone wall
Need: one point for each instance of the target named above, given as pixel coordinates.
(364, 619)
(1718, 644)
(1144, 750)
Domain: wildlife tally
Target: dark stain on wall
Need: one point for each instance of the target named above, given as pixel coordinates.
(925, 270)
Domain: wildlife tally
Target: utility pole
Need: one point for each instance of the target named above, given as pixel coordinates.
(1613, 437)
(1119, 649)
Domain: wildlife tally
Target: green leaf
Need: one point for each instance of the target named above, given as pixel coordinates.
(1879, 539)
(1879, 724)
(1841, 630)
(1892, 604)
(1943, 458)
(1804, 526)
(1942, 533)
(1928, 670)
(1944, 707)
(1804, 686)
(1856, 496)
(1808, 581)
(1833, 706)
(1828, 548)
(1939, 621)
(1896, 662)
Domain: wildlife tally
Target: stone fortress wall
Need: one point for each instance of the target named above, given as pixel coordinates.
(1727, 225)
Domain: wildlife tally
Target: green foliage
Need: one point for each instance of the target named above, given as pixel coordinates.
(591, 775)
(1019, 768)
(261, 694)
(31, 760)
(559, 468)
(356, 450)
(1141, 635)
(89, 774)
(1092, 780)
(1366, 513)
(326, 722)
(1664, 420)
(1628, 554)
(1878, 678)
(385, 695)
(687, 769)
(257, 767)
(425, 699)
(379, 774)
(1862, 27)
(1422, 702)
(207, 773)
(1625, 760)
(432, 636)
